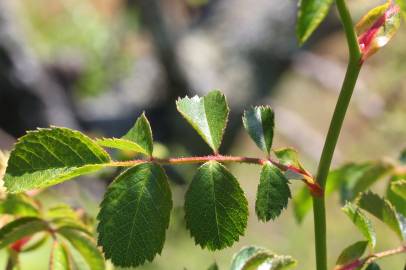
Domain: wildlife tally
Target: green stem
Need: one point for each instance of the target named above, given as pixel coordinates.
(353, 69)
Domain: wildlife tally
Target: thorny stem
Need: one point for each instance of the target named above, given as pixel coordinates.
(358, 263)
(347, 89)
(307, 177)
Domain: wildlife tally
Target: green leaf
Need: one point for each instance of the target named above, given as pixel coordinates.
(373, 266)
(352, 252)
(381, 209)
(310, 14)
(358, 177)
(273, 193)
(214, 266)
(377, 28)
(21, 228)
(85, 246)
(361, 221)
(256, 258)
(215, 206)
(302, 203)
(59, 259)
(399, 187)
(63, 216)
(207, 115)
(134, 215)
(50, 156)
(138, 139)
(402, 5)
(259, 123)
(19, 205)
(33, 245)
(396, 200)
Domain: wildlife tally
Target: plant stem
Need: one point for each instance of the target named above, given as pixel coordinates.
(353, 69)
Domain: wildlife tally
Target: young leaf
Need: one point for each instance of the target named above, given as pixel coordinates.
(373, 266)
(134, 215)
(361, 221)
(352, 253)
(50, 156)
(215, 207)
(377, 28)
(273, 193)
(138, 138)
(21, 228)
(85, 246)
(399, 187)
(254, 258)
(259, 123)
(310, 14)
(59, 259)
(381, 209)
(207, 115)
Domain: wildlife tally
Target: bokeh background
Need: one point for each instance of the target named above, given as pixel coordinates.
(95, 65)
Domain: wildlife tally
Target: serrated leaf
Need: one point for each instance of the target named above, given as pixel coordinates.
(399, 187)
(136, 207)
(361, 221)
(20, 228)
(85, 246)
(259, 123)
(59, 259)
(50, 156)
(138, 138)
(381, 209)
(256, 258)
(208, 115)
(19, 205)
(310, 14)
(273, 193)
(377, 28)
(215, 207)
(352, 253)
(373, 266)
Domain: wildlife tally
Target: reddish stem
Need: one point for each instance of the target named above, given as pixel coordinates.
(313, 186)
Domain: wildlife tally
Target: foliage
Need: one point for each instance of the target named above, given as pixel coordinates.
(135, 212)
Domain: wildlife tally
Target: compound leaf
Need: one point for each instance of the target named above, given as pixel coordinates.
(134, 215)
(59, 259)
(361, 221)
(273, 193)
(259, 123)
(215, 207)
(20, 228)
(310, 14)
(352, 253)
(138, 138)
(208, 115)
(50, 156)
(383, 210)
(255, 258)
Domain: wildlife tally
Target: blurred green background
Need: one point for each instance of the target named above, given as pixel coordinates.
(95, 65)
